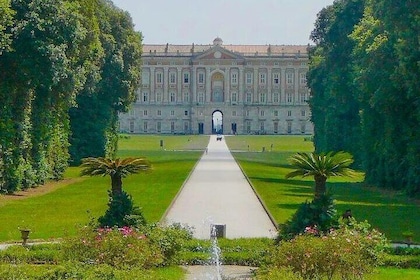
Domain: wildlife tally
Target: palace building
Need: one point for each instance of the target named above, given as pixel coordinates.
(217, 88)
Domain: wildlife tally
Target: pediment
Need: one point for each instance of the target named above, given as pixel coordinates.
(218, 52)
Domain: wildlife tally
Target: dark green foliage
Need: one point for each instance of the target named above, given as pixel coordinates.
(121, 212)
(364, 76)
(319, 214)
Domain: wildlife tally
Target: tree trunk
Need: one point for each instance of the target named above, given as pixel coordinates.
(116, 184)
(320, 186)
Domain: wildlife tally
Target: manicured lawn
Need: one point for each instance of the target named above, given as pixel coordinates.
(388, 273)
(58, 212)
(390, 212)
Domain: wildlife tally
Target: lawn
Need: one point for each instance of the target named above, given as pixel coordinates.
(390, 212)
(74, 201)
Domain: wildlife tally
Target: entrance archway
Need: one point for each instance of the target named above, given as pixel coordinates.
(217, 122)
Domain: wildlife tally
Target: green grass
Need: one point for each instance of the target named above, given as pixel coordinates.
(390, 212)
(388, 273)
(58, 213)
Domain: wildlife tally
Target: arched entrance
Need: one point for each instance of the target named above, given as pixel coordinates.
(217, 122)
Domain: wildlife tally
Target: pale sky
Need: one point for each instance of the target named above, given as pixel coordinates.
(247, 22)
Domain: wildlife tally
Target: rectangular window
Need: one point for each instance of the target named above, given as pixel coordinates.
(234, 78)
(145, 97)
(262, 127)
(172, 78)
(289, 113)
(186, 127)
(289, 97)
(172, 127)
(276, 127)
(145, 77)
(248, 97)
(144, 112)
(302, 128)
(234, 97)
(132, 113)
(233, 113)
(303, 98)
(276, 97)
(158, 97)
(302, 79)
(159, 77)
(249, 78)
(186, 113)
(289, 78)
(262, 78)
(276, 78)
(201, 97)
(172, 113)
(276, 113)
(186, 78)
(289, 127)
(186, 97)
(159, 112)
(172, 97)
(262, 113)
(303, 113)
(132, 126)
(248, 126)
(158, 127)
(247, 113)
(262, 97)
(145, 127)
(201, 78)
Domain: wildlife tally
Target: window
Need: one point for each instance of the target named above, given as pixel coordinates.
(233, 113)
(276, 127)
(234, 96)
(289, 78)
(262, 127)
(289, 127)
(145, 77)
(249, 78)
(289, 113)
(302, 79)
(145, 97)
(186, 113)
(159, 79)
(302, 128)
(186, 97)
(303, 113)
(201, 78)
(144, 112)
(262, 97)
(276, 78)
(262, 78)
(262, 113)
(248, 126)
(159, 112)
(159, 127)
(172, 113)
(159, 97)
(186, 127)
(132, 113)
(276, 97)
(248, 97)
(172, 127)
(234, 78)
(145, 127)
(303, 98)
(131, 126)
(172, 97)
(172, 78)
(289, 98)
(201, 97)
(186, 78)
(276, 113)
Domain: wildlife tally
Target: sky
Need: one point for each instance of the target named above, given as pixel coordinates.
(247, 22)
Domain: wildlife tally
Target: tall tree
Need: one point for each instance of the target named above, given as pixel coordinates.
(334, 104)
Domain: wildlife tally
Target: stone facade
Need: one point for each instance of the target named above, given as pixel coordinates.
(227, 89)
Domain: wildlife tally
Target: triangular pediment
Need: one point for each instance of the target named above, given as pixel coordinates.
(218, 52)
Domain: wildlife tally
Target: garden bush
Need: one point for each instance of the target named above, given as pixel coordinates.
(347, 253)
(319, 213)
(33, 254)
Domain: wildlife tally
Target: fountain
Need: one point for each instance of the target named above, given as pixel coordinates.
(215, 252)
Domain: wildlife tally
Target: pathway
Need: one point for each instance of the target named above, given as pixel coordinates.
(217, 192)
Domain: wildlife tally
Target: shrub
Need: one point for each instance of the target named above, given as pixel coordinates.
(348, 252)
(118, 247)
(277, 274)
(36, 254)
(319, 213)
(121, 212)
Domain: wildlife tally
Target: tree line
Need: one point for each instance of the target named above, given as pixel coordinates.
(68, 67)
(365, 81)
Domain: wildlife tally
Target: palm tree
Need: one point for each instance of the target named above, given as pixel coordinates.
(115, 168)
(321, 166)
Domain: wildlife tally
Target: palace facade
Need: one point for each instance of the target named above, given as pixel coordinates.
(226, 89)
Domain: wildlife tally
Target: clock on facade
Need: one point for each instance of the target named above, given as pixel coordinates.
(217, 54)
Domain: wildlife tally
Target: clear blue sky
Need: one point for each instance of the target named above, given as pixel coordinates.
(235, 21)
